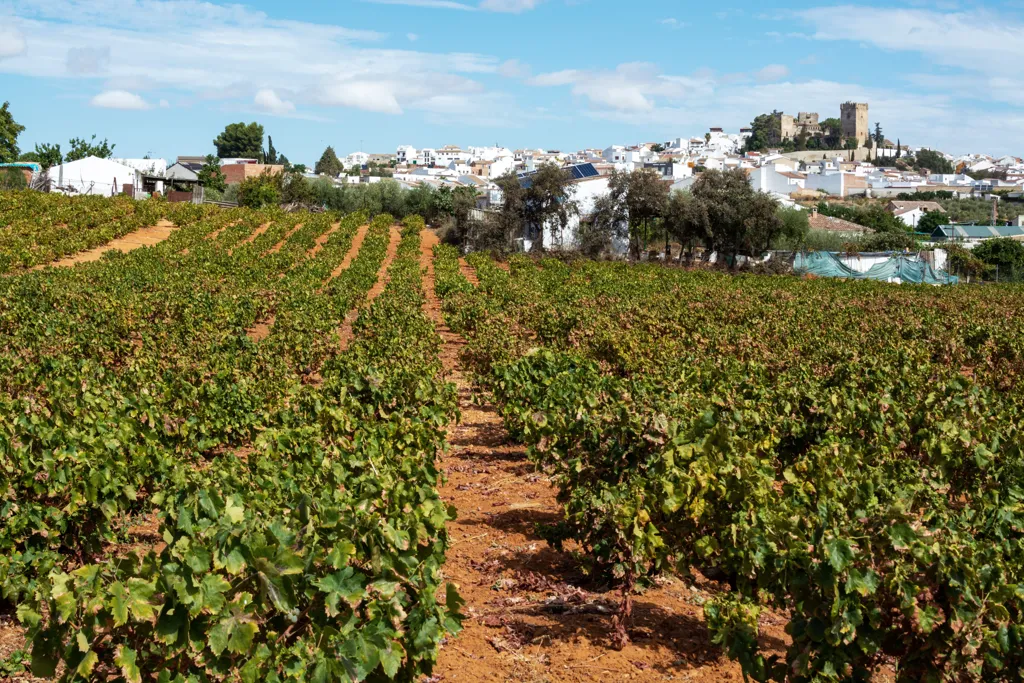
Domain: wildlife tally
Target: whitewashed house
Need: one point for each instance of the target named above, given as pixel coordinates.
(406, 154)
(426, 157)
(356, 159)
(450, 153)
(776, 180)
(95, 176)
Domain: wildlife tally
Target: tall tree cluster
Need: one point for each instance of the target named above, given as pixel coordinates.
(9, 132)
(721, 212)
(240, 141)
(545, 203)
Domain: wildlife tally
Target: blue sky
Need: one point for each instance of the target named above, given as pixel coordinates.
(164, 76)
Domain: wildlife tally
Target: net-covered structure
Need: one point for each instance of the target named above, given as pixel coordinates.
(897, 268)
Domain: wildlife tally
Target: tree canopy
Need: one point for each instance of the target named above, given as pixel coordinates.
(9, 132)
(549, 202)
(639, 200)
(329, 164)
(270, 154)
(735, 218)
(931, 220)
(933, 162)
(45, 154)
(1004, 256)
(80, 148)
(765, 132)
(240, 141)
(211, 176)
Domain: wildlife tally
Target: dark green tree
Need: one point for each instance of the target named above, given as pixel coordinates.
(329, 164)
(899, 148)
(211, 176)
(879, 136)
(270, 154)
(443, 204)
(9, 132)
(80, 148)
(686, 221)
(240, 141)
(642, 198)
(736, 218)
(932, 161)
(932, 220)
(1003, 256)
(766, 131)
(832, 133)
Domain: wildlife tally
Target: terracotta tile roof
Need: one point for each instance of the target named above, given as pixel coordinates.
(820, 222)
(899, 206)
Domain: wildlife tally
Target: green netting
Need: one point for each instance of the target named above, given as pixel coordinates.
(898, 268)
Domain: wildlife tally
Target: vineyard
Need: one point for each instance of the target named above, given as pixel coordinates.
(846, 454)
(316, 447)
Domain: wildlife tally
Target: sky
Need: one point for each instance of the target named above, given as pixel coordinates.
(163, 77)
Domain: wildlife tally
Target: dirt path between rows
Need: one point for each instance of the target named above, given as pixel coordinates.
(251, 238)
(322, 240)
(143, 237)
(345, 333)
(468, 272)
(532, 616)
(353, 251)
(284, 240)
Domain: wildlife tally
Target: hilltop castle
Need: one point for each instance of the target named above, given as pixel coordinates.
(853, 117)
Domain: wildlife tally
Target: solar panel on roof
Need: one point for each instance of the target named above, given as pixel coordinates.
(580, 171)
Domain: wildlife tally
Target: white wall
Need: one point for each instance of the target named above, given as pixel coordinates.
(912, 217)
(830, 183)
(767, 179)
(501, 166)
(586, 194)
(91, 176)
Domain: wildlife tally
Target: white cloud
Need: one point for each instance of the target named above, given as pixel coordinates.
(412, 37)
(513, 68)
(433, 4)
(88, 61)
(771, 73)
(994, 40)
(633, 87)
(673, 23)
(119, 99)
(366, 95)
(508, 6)
(164, 104)
(12, 43)
(512, 6)
(268, 101)
(213, 52)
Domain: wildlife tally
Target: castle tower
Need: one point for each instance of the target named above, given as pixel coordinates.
(854, 117)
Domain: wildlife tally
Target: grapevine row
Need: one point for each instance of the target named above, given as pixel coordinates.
(849, 454)
(181, 501)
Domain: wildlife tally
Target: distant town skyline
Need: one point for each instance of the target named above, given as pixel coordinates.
(163, 77)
